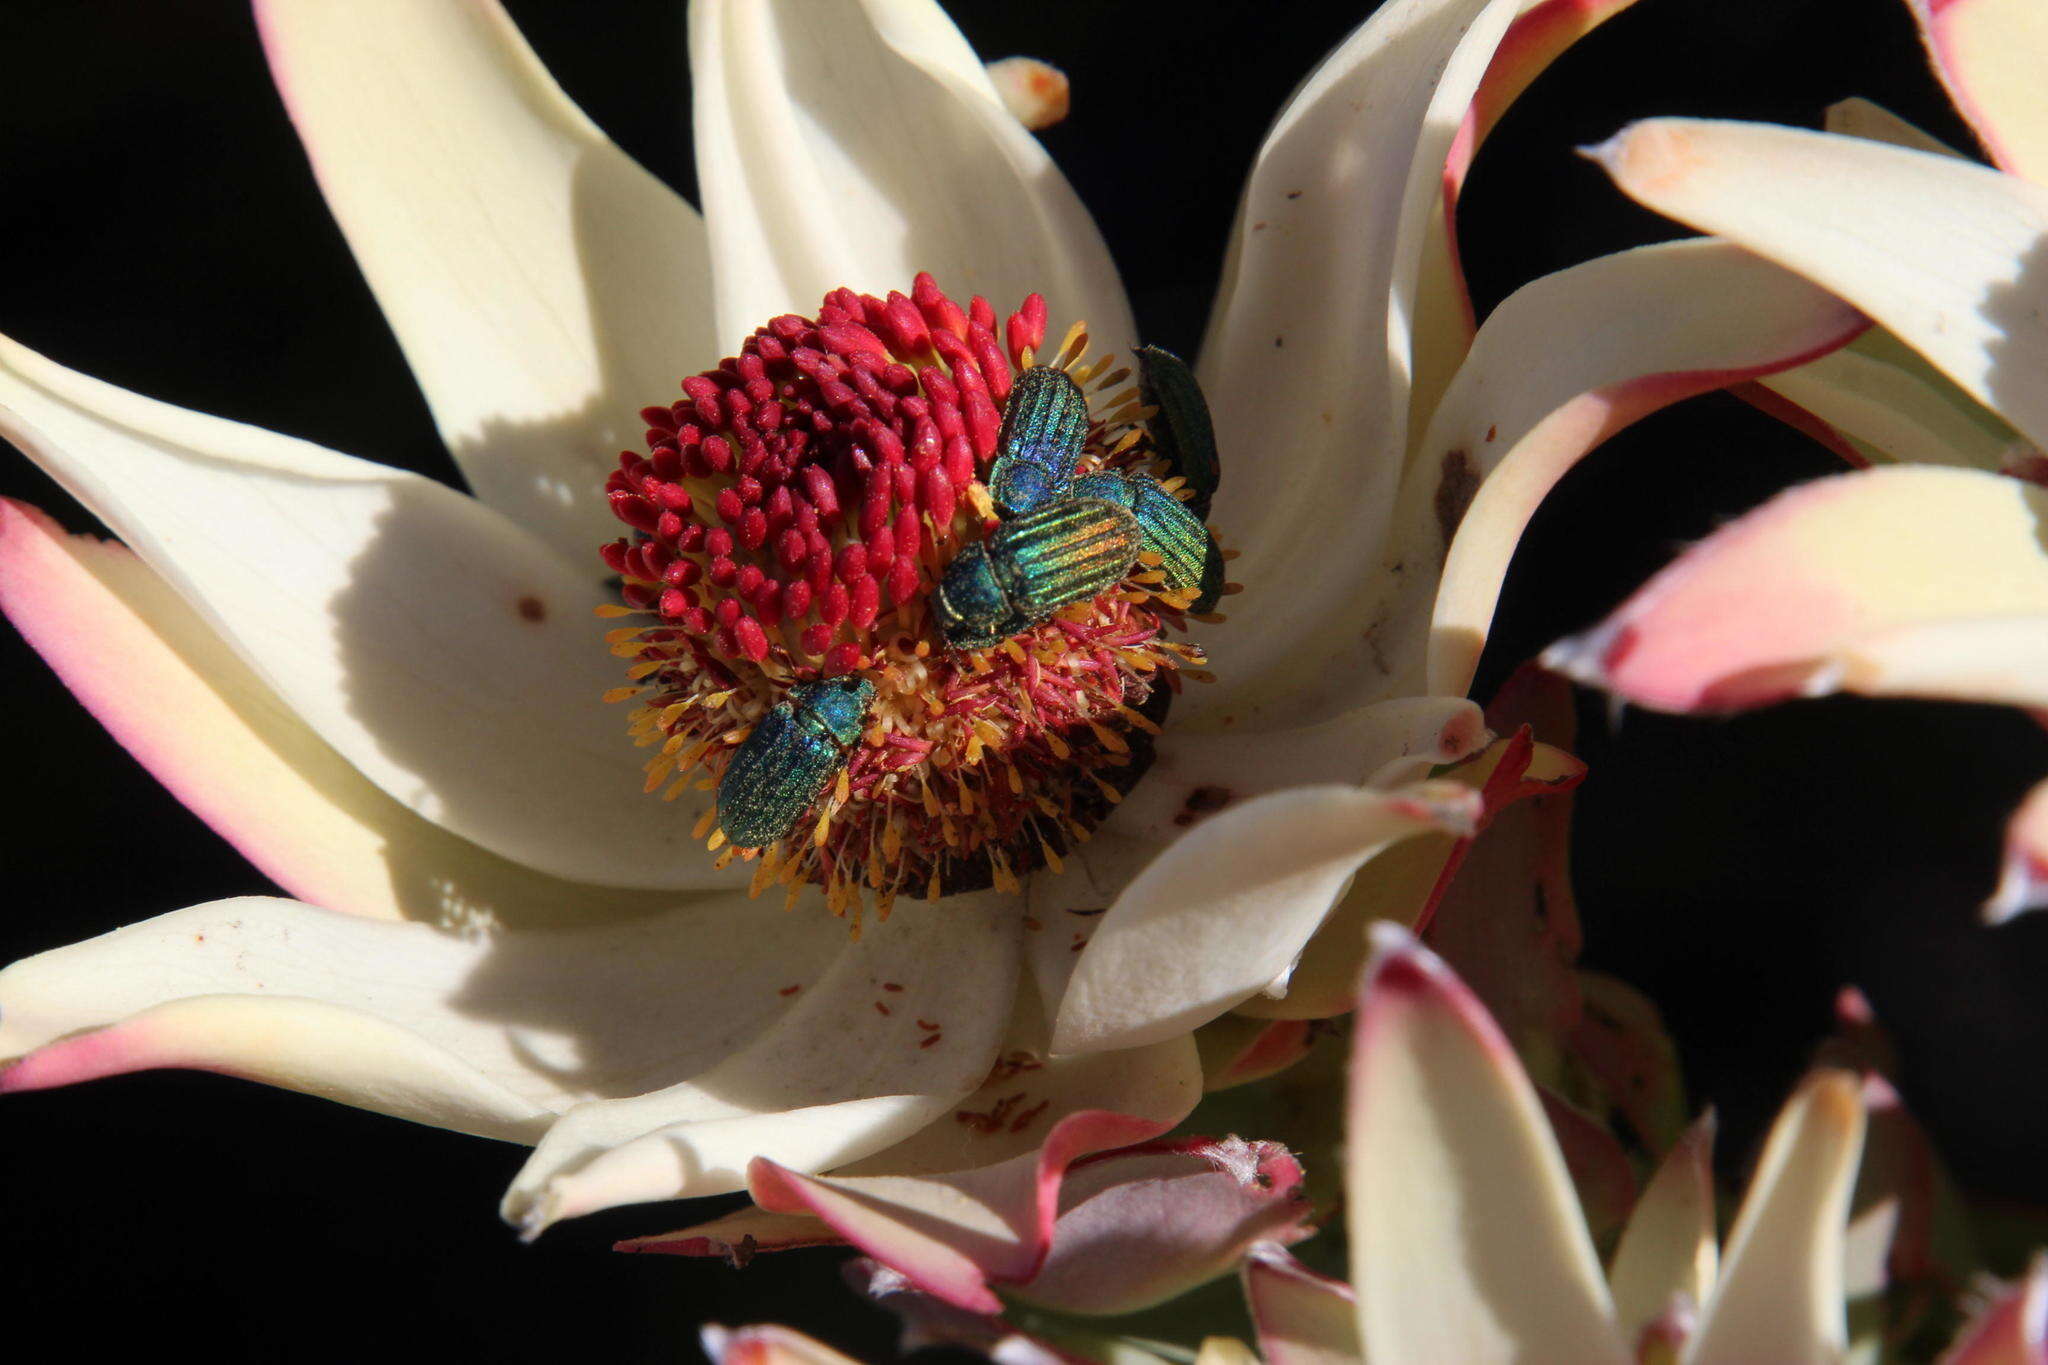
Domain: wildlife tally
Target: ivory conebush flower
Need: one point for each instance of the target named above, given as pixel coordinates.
(1925, 575)
(491, 928)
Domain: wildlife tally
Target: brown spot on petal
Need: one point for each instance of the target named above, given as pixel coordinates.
(1454, 489)
(531, 608)
(1200, 802)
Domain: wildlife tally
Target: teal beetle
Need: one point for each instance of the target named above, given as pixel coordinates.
(1188, 554)
(1045, 426)
(790, 758)
(1181, 431)
(1032, 566)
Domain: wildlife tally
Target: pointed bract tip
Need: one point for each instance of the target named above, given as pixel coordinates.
(1400, 962)
(1836, 1094)
(2023, 886)
(1604, 154)
(1586, 657)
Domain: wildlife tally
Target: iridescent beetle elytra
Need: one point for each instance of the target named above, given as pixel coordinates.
(1188, 554)
(1181, 432)
(790, 758)
(1045, 428)
(1032, 566)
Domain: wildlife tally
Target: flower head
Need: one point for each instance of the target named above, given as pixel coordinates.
(798, 516)
(495, 928)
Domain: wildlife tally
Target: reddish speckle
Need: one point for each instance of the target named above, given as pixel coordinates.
(931, 1041)
(994, 1119)
(1031, 922)
(881, 1008)
(1492, 432)
(531, 608)
(1024, 1120)
(892, 986)
(790, 990)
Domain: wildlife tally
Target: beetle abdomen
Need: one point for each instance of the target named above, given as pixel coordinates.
(1045, 426)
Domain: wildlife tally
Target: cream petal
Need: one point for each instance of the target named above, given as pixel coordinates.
(1224, 1351)
(1498, 900)
(738, 1236)
(1444, 321)
(1063, 912)
(1011, 1116)
(2023, 881)
(1779, 1296)
(1466, 1239)
(410, 627)
(1951, 257)
(1859, 117)
(1238, 1050)
(1307, 360)
(1908, 580)
(1649, 327)
(1302, 1318)
(843, 1073)
(1197, 772)
(1221, 914)
(1899, 410)
(1668, 1246)
(1025, 1095)
(1876, 399)
(856, 145)
(1989, 54)
(543, 286)
(489, 1033)
(212, 732)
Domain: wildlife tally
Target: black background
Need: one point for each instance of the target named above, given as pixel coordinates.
(158, 227)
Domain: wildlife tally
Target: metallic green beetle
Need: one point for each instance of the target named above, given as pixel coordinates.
(790, 758)
(1031, 567)
(1188, 554)
(1045, 427)
(1182, 431)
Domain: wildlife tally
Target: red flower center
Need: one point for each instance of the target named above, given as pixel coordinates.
(793, 514)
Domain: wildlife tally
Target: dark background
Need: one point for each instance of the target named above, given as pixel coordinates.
(158, 227)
